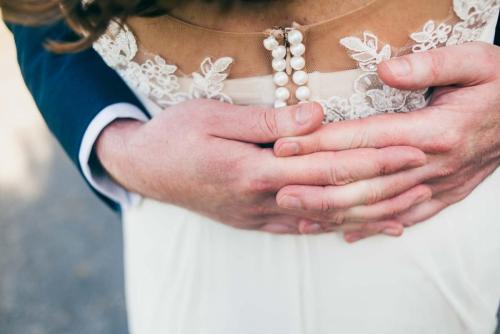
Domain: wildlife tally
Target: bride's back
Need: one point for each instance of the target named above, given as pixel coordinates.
(199, 51)
(202, 29)
(438, 278)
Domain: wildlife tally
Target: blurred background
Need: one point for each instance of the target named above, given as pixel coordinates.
(61, 268)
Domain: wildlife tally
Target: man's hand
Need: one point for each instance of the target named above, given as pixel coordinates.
(203, 155)
(459, 131)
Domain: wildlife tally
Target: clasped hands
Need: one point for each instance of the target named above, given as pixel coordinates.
(360, 177)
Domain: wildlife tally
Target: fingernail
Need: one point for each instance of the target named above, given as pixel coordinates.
(417, 161)
(279, 228)
(392, 231)
(354, 237)
(399, 66)
(312, 228)
(287, 149)
(290, 202)
(304, 113)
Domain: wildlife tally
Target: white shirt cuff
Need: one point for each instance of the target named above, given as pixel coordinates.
(97, 177)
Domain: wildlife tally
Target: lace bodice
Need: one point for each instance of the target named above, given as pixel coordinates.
(156, 80)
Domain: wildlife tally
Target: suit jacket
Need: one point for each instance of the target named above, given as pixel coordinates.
(71, 89)
(497, 33)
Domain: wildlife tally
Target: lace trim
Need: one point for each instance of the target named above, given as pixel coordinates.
(371, 95)
(474, 15)
(156, 79)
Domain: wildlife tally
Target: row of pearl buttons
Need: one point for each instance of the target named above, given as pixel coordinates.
(293, 38)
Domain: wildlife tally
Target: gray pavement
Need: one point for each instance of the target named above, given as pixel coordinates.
(60, 260)
(61, 267)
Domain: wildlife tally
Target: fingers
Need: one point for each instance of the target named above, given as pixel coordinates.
(444, 193)
(389, 228)
(369, 219)
(404, 129)
(389, 208)
(258, 124)
(312, 227)
(421, 212)
(357, 223)
(281, 224)
(335, 168)
(277, 228)
(468, 64)
(441, 200)
(353, 230)
(333, 198)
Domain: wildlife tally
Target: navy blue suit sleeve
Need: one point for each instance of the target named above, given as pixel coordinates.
(497, 33)
(70, 89)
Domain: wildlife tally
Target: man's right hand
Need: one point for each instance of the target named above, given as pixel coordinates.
(203, 155)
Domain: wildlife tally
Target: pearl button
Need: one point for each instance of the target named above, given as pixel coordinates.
(279, 52)
(300, 78)
(295, 37)
(279, 104)
(270, 43)
(279, 64)
(297, 49)
(297, 63)
(280, 78)
(282, 94)
(303, 93)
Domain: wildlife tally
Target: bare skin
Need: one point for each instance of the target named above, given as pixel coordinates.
(202, 155)
(458, 131)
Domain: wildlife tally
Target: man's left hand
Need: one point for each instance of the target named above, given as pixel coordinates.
(459, 131)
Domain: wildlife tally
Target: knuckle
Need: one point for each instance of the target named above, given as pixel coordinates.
(210, 120)
(393, 209)
(316, 141)
(202, 107)
(374, 195)
(437, 60)
(446, 170)
(258, 185)
(268, 122)
(482, 53)
(447, 142)
(382, 166)
(486, 52)
(385, 136)
(338, 218)
(360, 138)
(491, 59)
(337, 174)
(325, 204)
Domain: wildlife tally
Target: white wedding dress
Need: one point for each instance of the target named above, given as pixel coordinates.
(186, 273)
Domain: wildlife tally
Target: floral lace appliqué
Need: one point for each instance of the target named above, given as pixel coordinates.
(155, 78)
(473, 15)
(371, 96)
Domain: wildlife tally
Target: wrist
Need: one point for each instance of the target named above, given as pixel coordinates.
(112, 149)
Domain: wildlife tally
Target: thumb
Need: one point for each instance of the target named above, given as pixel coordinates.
(258, 124)
(465, 65)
